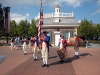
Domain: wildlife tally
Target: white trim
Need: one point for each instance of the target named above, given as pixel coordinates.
(57, 36)
(68, 34)
(57, 32)
(60, 25)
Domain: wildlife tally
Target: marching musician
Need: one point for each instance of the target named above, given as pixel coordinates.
(44, 51)
(25, 44)
(12, 43)
(35, 47)
(76, 45)
(62, 45)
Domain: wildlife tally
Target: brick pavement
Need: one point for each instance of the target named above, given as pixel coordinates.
(18, 64)
(89, 62)
(31, 67)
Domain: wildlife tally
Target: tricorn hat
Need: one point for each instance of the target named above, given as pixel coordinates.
(44, 32)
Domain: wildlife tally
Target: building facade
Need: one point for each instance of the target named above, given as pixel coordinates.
(59, 23)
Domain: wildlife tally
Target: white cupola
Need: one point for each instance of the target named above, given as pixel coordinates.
(57, 13)
(57, 9)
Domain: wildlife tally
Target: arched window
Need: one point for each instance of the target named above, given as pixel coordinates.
(57, 10)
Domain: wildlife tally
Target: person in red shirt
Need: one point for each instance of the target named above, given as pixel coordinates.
(44, 50)
(77, 45)
(25, 44)
(62, 45)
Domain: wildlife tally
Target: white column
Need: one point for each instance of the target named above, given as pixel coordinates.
(62, 14)
(68, 34)
(72, 14)
(52, 14)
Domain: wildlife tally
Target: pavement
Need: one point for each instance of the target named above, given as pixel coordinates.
(16, 63)
(92, 45)
(2, 58)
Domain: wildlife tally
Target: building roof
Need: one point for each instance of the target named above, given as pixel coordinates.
(61, 20)
(57, 6)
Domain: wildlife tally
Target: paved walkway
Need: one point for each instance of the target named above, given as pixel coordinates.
(91, 45)
(17, 63)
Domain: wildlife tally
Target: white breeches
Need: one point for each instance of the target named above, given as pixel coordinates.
(61, 46)
(76, 48)
(24, 46)
(44, 52)
(35, 50)
(12, 44)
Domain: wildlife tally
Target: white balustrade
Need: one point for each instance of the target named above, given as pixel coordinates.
(57, 15)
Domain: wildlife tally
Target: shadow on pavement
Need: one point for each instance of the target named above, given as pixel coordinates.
(80, 56)
(85, 54)
(53, 57)
(65, 61)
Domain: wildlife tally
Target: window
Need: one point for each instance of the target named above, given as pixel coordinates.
(59, 20)
(57, 10)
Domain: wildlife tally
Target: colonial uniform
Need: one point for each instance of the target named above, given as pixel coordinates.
(62, 46)
(29, 43)
(44, 51)
(76, 45)
(25, 43)
(12, 43)
(18, 42)
(35, 47)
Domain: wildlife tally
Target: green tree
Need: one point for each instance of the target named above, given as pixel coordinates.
(33, 29)
(85, 29)
(98, 31)
(13, 28)
(23, 27)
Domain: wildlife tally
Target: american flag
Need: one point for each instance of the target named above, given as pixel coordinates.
(40, 21)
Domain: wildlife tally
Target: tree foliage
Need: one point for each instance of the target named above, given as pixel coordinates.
(13, 28)
(98, 29)
(24, 28)
(87, 29)
(32, 29)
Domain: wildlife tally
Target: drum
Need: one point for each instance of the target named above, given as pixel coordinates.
(62, 54)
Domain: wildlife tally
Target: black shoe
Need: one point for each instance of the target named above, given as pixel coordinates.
(25, 54)
(74, 55)
(47, 65)
(35, 59)
(61, 61)
(77, 56)
(44, 65)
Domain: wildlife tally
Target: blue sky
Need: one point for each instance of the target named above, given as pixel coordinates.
(28, 9)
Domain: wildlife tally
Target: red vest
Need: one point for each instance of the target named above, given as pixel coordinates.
(64, 43)
(77, 40)
(43, 40)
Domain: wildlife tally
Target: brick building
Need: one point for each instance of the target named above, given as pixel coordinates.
(59, 23)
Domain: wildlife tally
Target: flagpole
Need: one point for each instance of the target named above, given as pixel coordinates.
(40, 21)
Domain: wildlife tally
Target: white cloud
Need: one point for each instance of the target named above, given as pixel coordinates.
(79, 21)
(27, 14)
(18, 17)
(98, 2)
(74, 3)
(96, 12)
